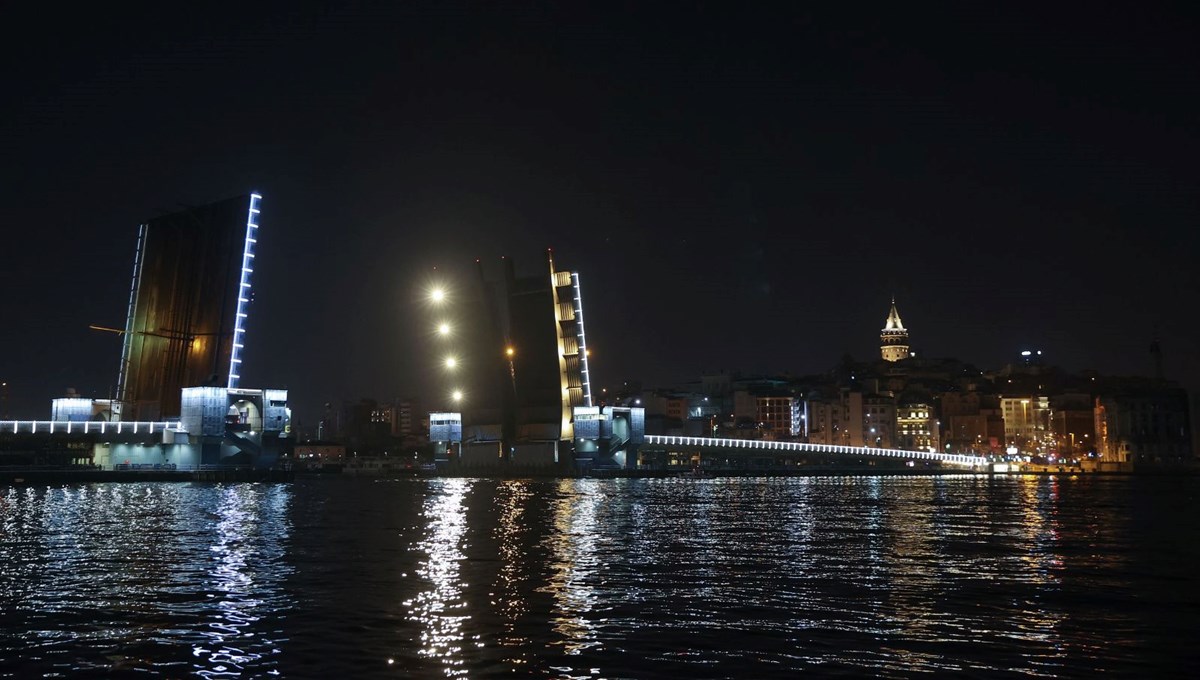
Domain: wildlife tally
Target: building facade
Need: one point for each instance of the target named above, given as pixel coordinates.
(1145, 425)
(779, 417)
(1027, 423)
(917, 427)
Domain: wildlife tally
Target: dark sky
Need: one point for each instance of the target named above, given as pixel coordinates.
(740, 188)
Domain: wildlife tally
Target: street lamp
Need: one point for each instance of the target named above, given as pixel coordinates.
(457, 396)
(443, 329)
(437, 295)
(451, 362)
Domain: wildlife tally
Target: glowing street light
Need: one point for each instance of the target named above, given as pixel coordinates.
(437, 295)
(457, 396)
(443, 329)
(451, 362)
(509, 352)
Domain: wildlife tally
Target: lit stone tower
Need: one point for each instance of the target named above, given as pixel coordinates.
(893, 339)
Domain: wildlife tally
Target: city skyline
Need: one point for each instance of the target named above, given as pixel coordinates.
(759, 197)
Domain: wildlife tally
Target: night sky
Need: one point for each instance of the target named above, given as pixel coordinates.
(740, 188)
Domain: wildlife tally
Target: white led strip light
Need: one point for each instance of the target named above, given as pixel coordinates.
(798, 447)
(126, 342)
(583, 358)
(239, 329)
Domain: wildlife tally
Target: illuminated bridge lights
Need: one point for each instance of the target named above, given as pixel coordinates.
(65, 427)
(583, 353)
(244, 288)
(796, 447)
(126, 346)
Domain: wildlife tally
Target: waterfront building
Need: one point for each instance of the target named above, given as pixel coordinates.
(917, 427)
(1026, 422)
(981, 433)
(971, 421)
(74, 408)
(879, 422)
(668, 409)
(836, 418)
(778, 416)
(1073, 425)
(408, 419)
(893, 339)
(960, 403)
(1143, 424)
(384, 416)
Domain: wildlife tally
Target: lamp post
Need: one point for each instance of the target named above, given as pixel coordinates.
(510, 354)
(1025, 422)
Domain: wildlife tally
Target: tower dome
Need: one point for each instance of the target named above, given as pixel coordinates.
(893, 339)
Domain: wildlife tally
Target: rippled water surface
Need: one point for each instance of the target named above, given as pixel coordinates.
(968, 576)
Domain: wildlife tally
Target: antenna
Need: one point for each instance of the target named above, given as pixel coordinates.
(1156, 355)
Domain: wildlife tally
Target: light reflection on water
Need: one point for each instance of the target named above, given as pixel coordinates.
(440, 608)
(880, 576)
(141, 577)
(234, 582)
(512, 536)
(574, 566)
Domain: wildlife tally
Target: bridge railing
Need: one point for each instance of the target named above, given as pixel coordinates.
(124, 467)
(85, 427)
(175, 467)
(802, 447)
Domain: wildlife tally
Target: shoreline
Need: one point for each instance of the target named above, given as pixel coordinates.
(15, 477)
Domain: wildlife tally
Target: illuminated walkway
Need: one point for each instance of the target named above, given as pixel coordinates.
(56, 434)
(658, 441)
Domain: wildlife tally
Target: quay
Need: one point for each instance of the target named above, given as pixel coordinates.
(84, 475)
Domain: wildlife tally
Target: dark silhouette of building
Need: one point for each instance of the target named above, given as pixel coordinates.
(1144, 423)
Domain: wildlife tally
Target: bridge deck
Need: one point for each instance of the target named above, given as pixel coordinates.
(747, 445)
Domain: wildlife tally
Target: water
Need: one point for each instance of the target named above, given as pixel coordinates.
(970, 576)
